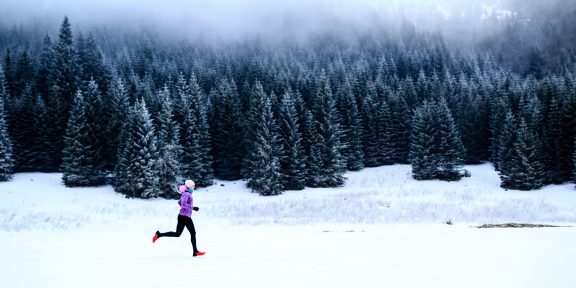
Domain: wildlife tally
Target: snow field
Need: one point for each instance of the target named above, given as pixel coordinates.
(382, 229)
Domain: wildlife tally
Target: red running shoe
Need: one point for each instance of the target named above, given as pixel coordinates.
(198, 253)
(155, 237)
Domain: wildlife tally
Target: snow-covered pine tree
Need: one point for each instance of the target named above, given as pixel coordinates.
(423, 140)
(227, 131)
(526, 171)
(506, 153)
(80, 158)
(569, 120)
(24, 73)
(399, 128)
(574, 162)
(115, 112)
(169, 149)
(436, 150)
(305, 124)
(326, 148)
(90, 62)
(383, 133)
(6, 156)
(293, 160)
(253, 124)
(266, 178)
(558, 160)
(22, 131)
(351, 127)
(197, 108)
(368, 114)
(44, 75)
(137, 172)
(40, 155)
(66, 68)
(451, 150)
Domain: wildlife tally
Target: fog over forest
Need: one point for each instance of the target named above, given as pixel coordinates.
(228, 19)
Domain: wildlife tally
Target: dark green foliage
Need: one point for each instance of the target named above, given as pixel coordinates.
(326, 148)
(115, 111)
(253, 123)
(227, 131)
(6, 156)
(169, 149)
(137, 172)
(574, 162)
(370, 125)
(66, 68)
(44, 76)
(22, 130)
(90, 62)
(524, 171)
(196, 160)
(293, 159)
(24, 73)
(506, 152)
(265, 154)
(436, 150)
(351, 128)
(82, 156)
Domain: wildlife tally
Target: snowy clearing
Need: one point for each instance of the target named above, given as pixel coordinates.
(382, 229)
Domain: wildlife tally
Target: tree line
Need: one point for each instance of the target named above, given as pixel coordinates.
(144, 113)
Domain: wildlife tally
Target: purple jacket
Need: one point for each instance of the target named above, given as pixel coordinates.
(186, 202)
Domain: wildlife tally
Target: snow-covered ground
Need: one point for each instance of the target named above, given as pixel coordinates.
(382, 229)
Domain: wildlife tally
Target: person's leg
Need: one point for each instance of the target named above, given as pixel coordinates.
(190, 226)
(179, 228)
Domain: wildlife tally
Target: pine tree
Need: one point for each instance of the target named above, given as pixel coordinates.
(451, 149)
(253, 124)
(66, 70)
(370, 123)
(305, 124)
(169, 149)
(44, 76)
(399, 129)
(506, 154)
(293, 160)
(227, 132)
(80, 163)
(24, 73)
(351, 128)
(436, 150)
(41, 156)
(115, 112)
(194, 136)
(558, 160)
(574, 161)
(526, 171)
(266, 178)
(90, 62)
(423, 140)
(22, 131)
(6, 156)
(56, 110)
(137, 170)
(326, 146)
(198, 105)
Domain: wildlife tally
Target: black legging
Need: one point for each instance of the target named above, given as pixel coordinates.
(183, 221)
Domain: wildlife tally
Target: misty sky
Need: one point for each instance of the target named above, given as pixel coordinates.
(241, 18)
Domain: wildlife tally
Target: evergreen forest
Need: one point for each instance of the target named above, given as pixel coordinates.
(143, 112)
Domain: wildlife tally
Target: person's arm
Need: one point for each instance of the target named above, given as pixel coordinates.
(184, 201)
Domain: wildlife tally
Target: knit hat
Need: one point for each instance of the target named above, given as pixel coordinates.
(189, 183)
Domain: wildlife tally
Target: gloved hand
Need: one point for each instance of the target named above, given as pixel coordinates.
(196, 208)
